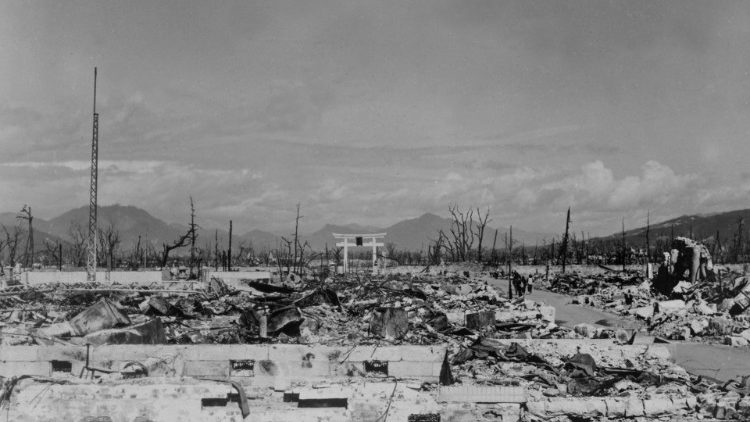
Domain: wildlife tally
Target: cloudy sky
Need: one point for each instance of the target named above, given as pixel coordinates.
(373, 112)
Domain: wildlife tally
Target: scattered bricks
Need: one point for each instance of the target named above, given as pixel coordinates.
(585, 330)
(623, 336)
(671, 306)
(684, 333)
(720, 326)
(455, 317)
(735, 341)
(644, 312)
(691, 402)
(480, 320)
(463, 289)
(743, 408)
(658, 405)
(696, 327)
(726, 406)
(704, 308)
(707, 403)
(745, 334)
(389, 323)
(548, 313)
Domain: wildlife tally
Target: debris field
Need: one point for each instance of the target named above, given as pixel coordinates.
(426, 346)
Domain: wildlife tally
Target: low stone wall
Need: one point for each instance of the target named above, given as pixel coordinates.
(72, 277)
(273, 365)
(235, 277)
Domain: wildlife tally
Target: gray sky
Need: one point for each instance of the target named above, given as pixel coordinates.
(372, 112)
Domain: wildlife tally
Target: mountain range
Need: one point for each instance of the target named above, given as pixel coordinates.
(413, 234)
(131, 222)
(700, 227)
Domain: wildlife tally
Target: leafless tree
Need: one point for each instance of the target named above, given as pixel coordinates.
(337, 255)
(109, 240)
(481, 224)
(12, 239)
(167, 248)
(54, 250)
(136, 255)
(77, 250)
(462, 231)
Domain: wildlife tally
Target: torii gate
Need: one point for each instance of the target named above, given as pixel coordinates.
(357, 240)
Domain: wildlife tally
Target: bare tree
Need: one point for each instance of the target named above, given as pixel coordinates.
(109, 239)
(166, 248)
(337, 254)
(136, 255)
(564, 248)
(481, 224)
(77, 250)
(462, 231)
(54, 250)
(12, 238)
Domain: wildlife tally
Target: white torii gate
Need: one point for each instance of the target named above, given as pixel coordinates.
(358, 240)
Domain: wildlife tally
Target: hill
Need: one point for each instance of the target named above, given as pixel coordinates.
(702, 227)
(131, 222)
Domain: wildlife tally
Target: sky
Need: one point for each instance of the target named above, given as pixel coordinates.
(373, 112)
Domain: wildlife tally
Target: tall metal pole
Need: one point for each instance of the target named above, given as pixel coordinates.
(91, 260)
(565, 242)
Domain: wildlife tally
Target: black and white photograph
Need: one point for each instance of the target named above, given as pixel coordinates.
(374, 210)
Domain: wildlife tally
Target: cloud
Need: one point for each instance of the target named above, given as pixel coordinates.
(596, 188)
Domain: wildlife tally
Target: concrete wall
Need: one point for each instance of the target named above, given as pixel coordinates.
(233, 278)
(71, 277)
(273, 365)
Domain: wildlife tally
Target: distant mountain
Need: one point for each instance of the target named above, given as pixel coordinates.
(259, 239)
(699, 227)
(131, 222)
(417, 233)
(42, 236)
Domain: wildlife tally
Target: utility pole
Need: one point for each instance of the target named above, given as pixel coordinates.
(494, 253)
(623, 243)
(738, 249)
(648, 241)
(91, 259)
(216, 250)
(26, 215)
(296, 231)
(193, 236)
(229, 252)
(510, 265)
(565, 242)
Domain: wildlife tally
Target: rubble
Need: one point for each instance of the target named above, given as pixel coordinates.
(492, 350)
(713, 308)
